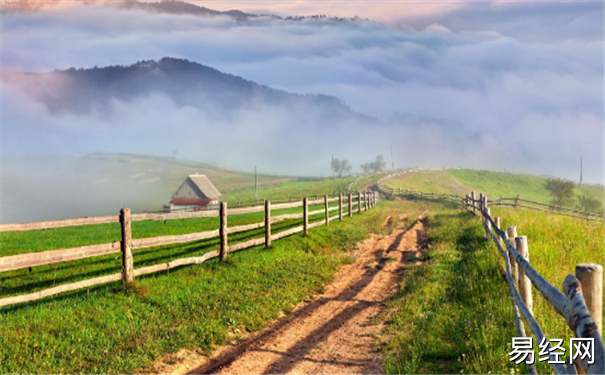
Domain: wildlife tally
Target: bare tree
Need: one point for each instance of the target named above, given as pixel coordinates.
(340, 167)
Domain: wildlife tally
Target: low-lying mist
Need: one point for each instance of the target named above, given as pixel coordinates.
(464, 94)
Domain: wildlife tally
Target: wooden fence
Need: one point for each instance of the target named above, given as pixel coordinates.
(362, 202)
(509, 202)
(581, 306)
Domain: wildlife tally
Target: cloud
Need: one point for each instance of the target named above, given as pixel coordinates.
(496, 85)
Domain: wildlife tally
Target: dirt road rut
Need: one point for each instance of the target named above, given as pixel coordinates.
(335, 333)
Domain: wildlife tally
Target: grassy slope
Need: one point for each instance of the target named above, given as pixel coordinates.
(194, 306)
(494, 184)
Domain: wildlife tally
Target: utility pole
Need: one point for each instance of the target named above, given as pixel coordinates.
(580, 170)
(392, 160)
(255, 183)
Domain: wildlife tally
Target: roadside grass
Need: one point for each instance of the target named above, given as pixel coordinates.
(452, 313)
(109, 330)
(556, 245)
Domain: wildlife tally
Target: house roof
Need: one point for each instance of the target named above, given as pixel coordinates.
(190, 202)
(206, 187)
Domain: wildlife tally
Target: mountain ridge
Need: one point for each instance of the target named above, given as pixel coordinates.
(85, 90)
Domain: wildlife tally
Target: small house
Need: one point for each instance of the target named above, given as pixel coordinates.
(196, 193)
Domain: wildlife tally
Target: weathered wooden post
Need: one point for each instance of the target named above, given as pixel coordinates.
(223, 231)
(267, 224)
(340, 207)
(126, 247)
(473, 200)
(481, 208)
(591, 279)
(524, 282)
(327, 212)
(517, 201)
(306, 215)
(488, 225)
(512, 233)
(350, 205)
(358, 202)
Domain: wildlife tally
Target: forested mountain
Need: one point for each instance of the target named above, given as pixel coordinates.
(84, 91)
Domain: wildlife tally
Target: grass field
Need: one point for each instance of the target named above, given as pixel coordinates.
(196, 307)
(494, 184)
(289, 189)
(452, 314)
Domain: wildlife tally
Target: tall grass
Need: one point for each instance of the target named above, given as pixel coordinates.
(556, 245)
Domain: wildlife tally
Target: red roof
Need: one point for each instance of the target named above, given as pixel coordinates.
(191, 201)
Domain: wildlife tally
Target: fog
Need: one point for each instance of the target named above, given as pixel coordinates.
(490, 86)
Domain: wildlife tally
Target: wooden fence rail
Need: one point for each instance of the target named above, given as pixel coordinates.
(127, 244)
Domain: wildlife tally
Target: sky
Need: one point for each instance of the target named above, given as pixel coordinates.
(492, 84)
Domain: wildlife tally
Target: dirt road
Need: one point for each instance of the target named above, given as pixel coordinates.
(336, 332)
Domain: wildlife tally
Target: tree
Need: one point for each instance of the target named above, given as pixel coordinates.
(341, 167)
(379, 164)
(374, 166)
(561, 190)
(589, 204)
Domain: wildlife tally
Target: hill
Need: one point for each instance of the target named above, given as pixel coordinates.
(94, 90)
(60, 187)
(494, 184)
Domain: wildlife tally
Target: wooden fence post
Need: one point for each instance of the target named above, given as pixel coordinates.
(473, 200)
(267, 224)
(481, 208)
(340, 207)
(223, 231)
(306, 215)
(512, 233)
(350, 205)
(517, 201)
(358, 202)
(591, 279)
(327, 212)
(524, 283)
(126, 247)
(488, 231)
